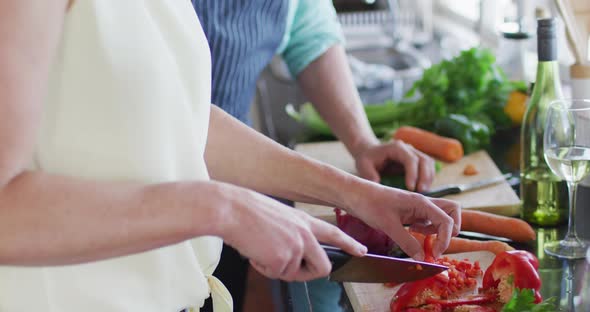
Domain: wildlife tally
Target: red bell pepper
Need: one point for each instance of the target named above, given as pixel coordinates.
(377, 242)
(436, 290)
(513, 269)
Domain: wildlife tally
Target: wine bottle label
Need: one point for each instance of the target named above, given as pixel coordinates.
(546, 39)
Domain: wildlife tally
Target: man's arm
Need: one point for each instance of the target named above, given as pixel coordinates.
(327, 82)
(313, 51)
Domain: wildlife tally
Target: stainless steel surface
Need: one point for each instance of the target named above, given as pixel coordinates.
(380, 269)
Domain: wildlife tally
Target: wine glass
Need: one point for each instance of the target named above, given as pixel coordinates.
(566, 147)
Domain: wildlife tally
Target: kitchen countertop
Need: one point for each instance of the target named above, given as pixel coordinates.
(561, 279)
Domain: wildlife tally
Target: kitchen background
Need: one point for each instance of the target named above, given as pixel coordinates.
(390, 42)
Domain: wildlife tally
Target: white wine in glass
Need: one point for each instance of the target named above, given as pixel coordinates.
(569, 163)
(566, 146)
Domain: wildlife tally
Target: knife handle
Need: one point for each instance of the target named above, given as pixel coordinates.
(337, 257)
(443, 192)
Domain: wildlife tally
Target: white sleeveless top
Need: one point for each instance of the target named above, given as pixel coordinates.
(128, 99)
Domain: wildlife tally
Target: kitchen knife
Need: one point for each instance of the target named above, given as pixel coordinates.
(458, 188)
(377, 269)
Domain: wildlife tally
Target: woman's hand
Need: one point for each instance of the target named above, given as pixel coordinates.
(281, 242)
(419, 167)
(389, 209)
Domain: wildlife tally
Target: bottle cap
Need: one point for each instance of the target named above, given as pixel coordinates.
(546, 39)
(546, 28)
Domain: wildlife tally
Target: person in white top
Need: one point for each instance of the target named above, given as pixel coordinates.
(118, 179)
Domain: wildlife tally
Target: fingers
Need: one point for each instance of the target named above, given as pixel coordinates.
(419, 167)
(408, 243)
(453, 209)
(291, 270)
(424, 228)
(305, 259)
(316, 263)
(366, 170)
(427, 209)
(426, 172)
(405, 154)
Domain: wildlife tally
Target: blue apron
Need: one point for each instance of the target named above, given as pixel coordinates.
(243, 36)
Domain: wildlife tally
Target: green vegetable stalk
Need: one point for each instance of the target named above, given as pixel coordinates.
(471, 85)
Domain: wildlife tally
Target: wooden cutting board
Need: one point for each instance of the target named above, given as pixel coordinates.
(376, 297)
(498, 198)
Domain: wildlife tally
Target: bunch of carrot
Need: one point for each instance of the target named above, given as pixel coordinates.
(458, 245)
(443, 148)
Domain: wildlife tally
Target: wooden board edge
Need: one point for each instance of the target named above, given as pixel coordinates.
(354, 302)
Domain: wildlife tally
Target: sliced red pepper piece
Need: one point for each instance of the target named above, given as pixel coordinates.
(520, 266)
(428, 308)
(428, 248)
(411, 294)
(470, 300)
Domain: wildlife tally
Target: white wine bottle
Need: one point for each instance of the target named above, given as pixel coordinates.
(544, 195)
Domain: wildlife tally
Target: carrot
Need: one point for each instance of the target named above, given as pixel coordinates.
(492, 224)
(443, 148)
(458, 245)
(470, 170)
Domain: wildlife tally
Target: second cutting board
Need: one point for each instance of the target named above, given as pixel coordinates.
(498, 198)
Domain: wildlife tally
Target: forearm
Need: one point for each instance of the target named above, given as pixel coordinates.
(258, 163)
(327, 83)
(55, 220)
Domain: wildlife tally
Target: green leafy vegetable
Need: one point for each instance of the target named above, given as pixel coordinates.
(472, 134)
(523, 300)
(471, 85)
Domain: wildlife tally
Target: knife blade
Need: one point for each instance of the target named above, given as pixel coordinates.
(377, 269)
(458, 188)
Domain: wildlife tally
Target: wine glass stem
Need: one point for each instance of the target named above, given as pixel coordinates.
(571, 229)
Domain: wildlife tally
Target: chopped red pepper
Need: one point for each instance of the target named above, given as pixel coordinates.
(461, 276)
(509, 270)
(428, 248)
(513, 269)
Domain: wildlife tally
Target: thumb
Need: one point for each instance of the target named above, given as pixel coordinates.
(367, 170)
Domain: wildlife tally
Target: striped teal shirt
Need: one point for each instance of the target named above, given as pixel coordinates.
(244, 35)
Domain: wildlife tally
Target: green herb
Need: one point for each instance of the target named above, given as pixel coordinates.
(472, 134)
(523, 300)
(471, 85)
